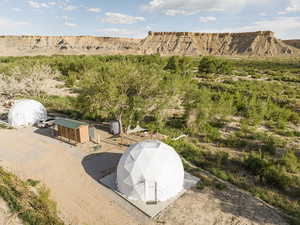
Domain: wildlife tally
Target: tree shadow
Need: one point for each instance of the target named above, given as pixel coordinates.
(103, 126)
(99, 165)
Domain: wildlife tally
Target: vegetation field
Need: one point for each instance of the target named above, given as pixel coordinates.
(241, 115)
(29, 200)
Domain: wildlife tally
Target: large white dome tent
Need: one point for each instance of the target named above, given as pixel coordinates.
(150, 171)
(26, 113)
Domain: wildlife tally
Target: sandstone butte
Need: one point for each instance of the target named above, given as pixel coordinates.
(261, 43)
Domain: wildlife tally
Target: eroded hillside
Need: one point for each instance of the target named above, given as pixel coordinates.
(261, 43)
(294, 43)
(73, 45)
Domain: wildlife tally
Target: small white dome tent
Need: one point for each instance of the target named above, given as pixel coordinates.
(150, 171)
(26, 113)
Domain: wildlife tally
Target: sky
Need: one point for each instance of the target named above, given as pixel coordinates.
(134, 18)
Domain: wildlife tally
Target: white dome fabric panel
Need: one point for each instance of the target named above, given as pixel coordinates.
(150, 171)
(26, 113)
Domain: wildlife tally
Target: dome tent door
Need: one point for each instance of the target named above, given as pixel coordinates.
(150, 192)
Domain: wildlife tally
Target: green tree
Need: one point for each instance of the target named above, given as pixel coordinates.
(185, 65)
(210, 64)
(172, 64)
(123, 89)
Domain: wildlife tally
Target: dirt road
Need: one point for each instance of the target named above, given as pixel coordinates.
(80, 198)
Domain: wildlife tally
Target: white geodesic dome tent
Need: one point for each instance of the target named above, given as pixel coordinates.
(150, 171)
(26, 113)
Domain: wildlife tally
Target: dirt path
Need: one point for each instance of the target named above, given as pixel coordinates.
(80, 198)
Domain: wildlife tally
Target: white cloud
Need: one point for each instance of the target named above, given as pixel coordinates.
(66, 18)
(294, 6)
(95, 10)
(116, 32)
(16, 9)
(207, 19)
(282, 13)
(188, 7)
(70, 8)
(263, 14)
(68, 21)
(118, 18)
(174, 12)
(69, 24)
(37, 5)
(284, 27)
(11, 24)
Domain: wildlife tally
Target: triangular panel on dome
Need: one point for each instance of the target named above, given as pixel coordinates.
(129, 164)
(152, 144)
(135, 151)
(127, 181)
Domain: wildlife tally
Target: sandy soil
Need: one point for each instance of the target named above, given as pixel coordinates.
(210, 207)
(6, 218)
(80, 198)
(72, 174)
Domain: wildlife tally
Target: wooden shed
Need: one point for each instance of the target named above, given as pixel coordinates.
(72, 130)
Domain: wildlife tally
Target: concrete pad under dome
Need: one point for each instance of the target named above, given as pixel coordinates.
(150, 210)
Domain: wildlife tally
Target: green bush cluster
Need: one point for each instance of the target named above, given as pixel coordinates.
(210, 64)
(32, 209)
(268, 172)
(183, 65)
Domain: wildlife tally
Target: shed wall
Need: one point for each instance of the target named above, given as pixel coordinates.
(83, 134)
(79, 135)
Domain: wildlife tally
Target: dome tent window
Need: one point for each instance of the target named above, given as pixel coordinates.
(26, 113)
(150, 171)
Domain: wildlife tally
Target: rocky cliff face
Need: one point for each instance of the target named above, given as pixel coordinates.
(50, 45)
(262, 43)
(165, 43)
(294, 43)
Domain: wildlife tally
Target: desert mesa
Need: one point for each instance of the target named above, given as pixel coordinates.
(260, 43)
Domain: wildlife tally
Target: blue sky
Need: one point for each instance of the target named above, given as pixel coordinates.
(133, 18)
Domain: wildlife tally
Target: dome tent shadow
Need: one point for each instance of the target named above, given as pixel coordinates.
(98, 165)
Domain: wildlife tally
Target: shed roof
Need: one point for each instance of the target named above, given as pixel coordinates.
(73, 124)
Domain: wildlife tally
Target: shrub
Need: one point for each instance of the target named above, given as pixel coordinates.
(209, 64)
(255, 164)
(275, 177)
(172, 64)
(220, 173)
(221, 186)
(32, 183)
(267, 172)
(204, 182)
(290, 162)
